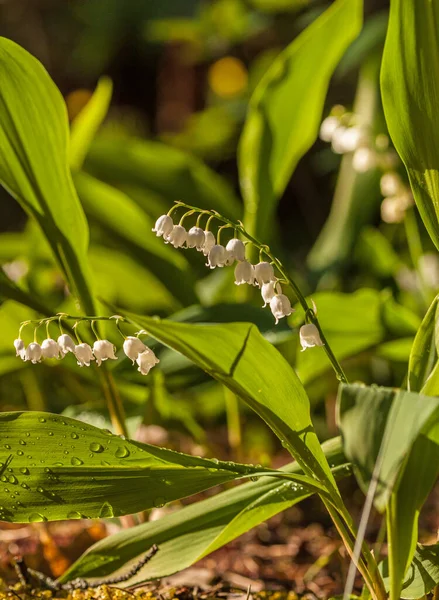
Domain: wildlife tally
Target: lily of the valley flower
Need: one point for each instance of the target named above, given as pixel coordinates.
(50, 349)
(195, 238)
(66, 344)
(132, 347)
(264, 273)
(309, 336)
(20, 349)
(280, 306)
(163, 226)
(209, 242)
(34, 353)
(103, 349)
(177, 236)
(84, 354)
(236, 250)
(244, 273)
(146, 360)
(217, 257)
(269, 290)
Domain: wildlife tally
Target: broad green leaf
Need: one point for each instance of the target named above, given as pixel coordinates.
(422, 575)
(11, 291)
(34, 161)
(86, 124)
(198, 529)
(166, 171)
(125, 221)
(375, 253)
(286, 108)
(398, 351)
(58, 468)
(424, 352)
(410, 91)
(237, 355)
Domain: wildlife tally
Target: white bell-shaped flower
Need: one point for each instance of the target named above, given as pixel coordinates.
(132, 347)
(269, 290)
(309, 336)
(209, 242)
(390, 184)
(20, 349)
(66, 344)
(244, 273)
(177, 237)
(34, 353)
(103, 349)
(195, 238)
(364, 159)
(236, 249)
(84, 354)
(280, 306)
(163, 226)
(327, 128)
(50, 349)
(217, 257)
(264, 273)
(146, 360)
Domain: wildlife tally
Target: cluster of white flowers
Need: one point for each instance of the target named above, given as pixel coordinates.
(261, 275)
(397, 198)
(102, 350)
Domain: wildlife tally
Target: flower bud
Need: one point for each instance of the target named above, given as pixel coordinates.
(66, 344)
(236, 249)
(309, 336)
(146, 360)
(33, 353)
(20, 349)
(244, 273)
(163, 226)
(177, 237)
(132, 347)
(217, 257)
(280, 306)
(50, 349)
(84, 354)
(103, 349)
(195, 238)
(264, 273)
(209, 242)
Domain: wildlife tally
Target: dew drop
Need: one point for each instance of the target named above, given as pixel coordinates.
(24, 470)
(42, 420)
(20, 452)
(95, 447)
(40, 489)
(76, 461)
(122, 452)
(36, 517)
(159, 502)
(74, 436)
(106, 511)
(27, 434)
(50, 433)
(12, 479)
(22, 443)
(7, 446)
(3, 478)
(74, 514)
(25, 486)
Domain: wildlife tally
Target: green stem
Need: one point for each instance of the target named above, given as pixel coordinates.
(233, 423)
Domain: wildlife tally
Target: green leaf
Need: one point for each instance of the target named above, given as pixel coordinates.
(166, 171)
(422, 575)
(10, 290)
(198, 529)
(286, 108)
(58, 468)
(237, 355)
(34, 161)
(424, 351)
(86, 124)
(410, 91)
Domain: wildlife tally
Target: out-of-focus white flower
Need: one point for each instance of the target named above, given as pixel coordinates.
(177, 237)
(280, 306)
(327, 128)
(382, 141)
(66, 344)
(50, 349)
(244, 273)
(16, 269)
(103, 349)
(195, 238)
(390, 184)
(364, 159)
(84, 354)
(429, 269)
(309, 336)
(269, 290)
(347, 139)
(264, 273)
(33, 353)
(146, 360)
(236, 250)
(393, 208)
(217, 257)
(132, 347)
(20, 349)
(163, 226)
(209, 242)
